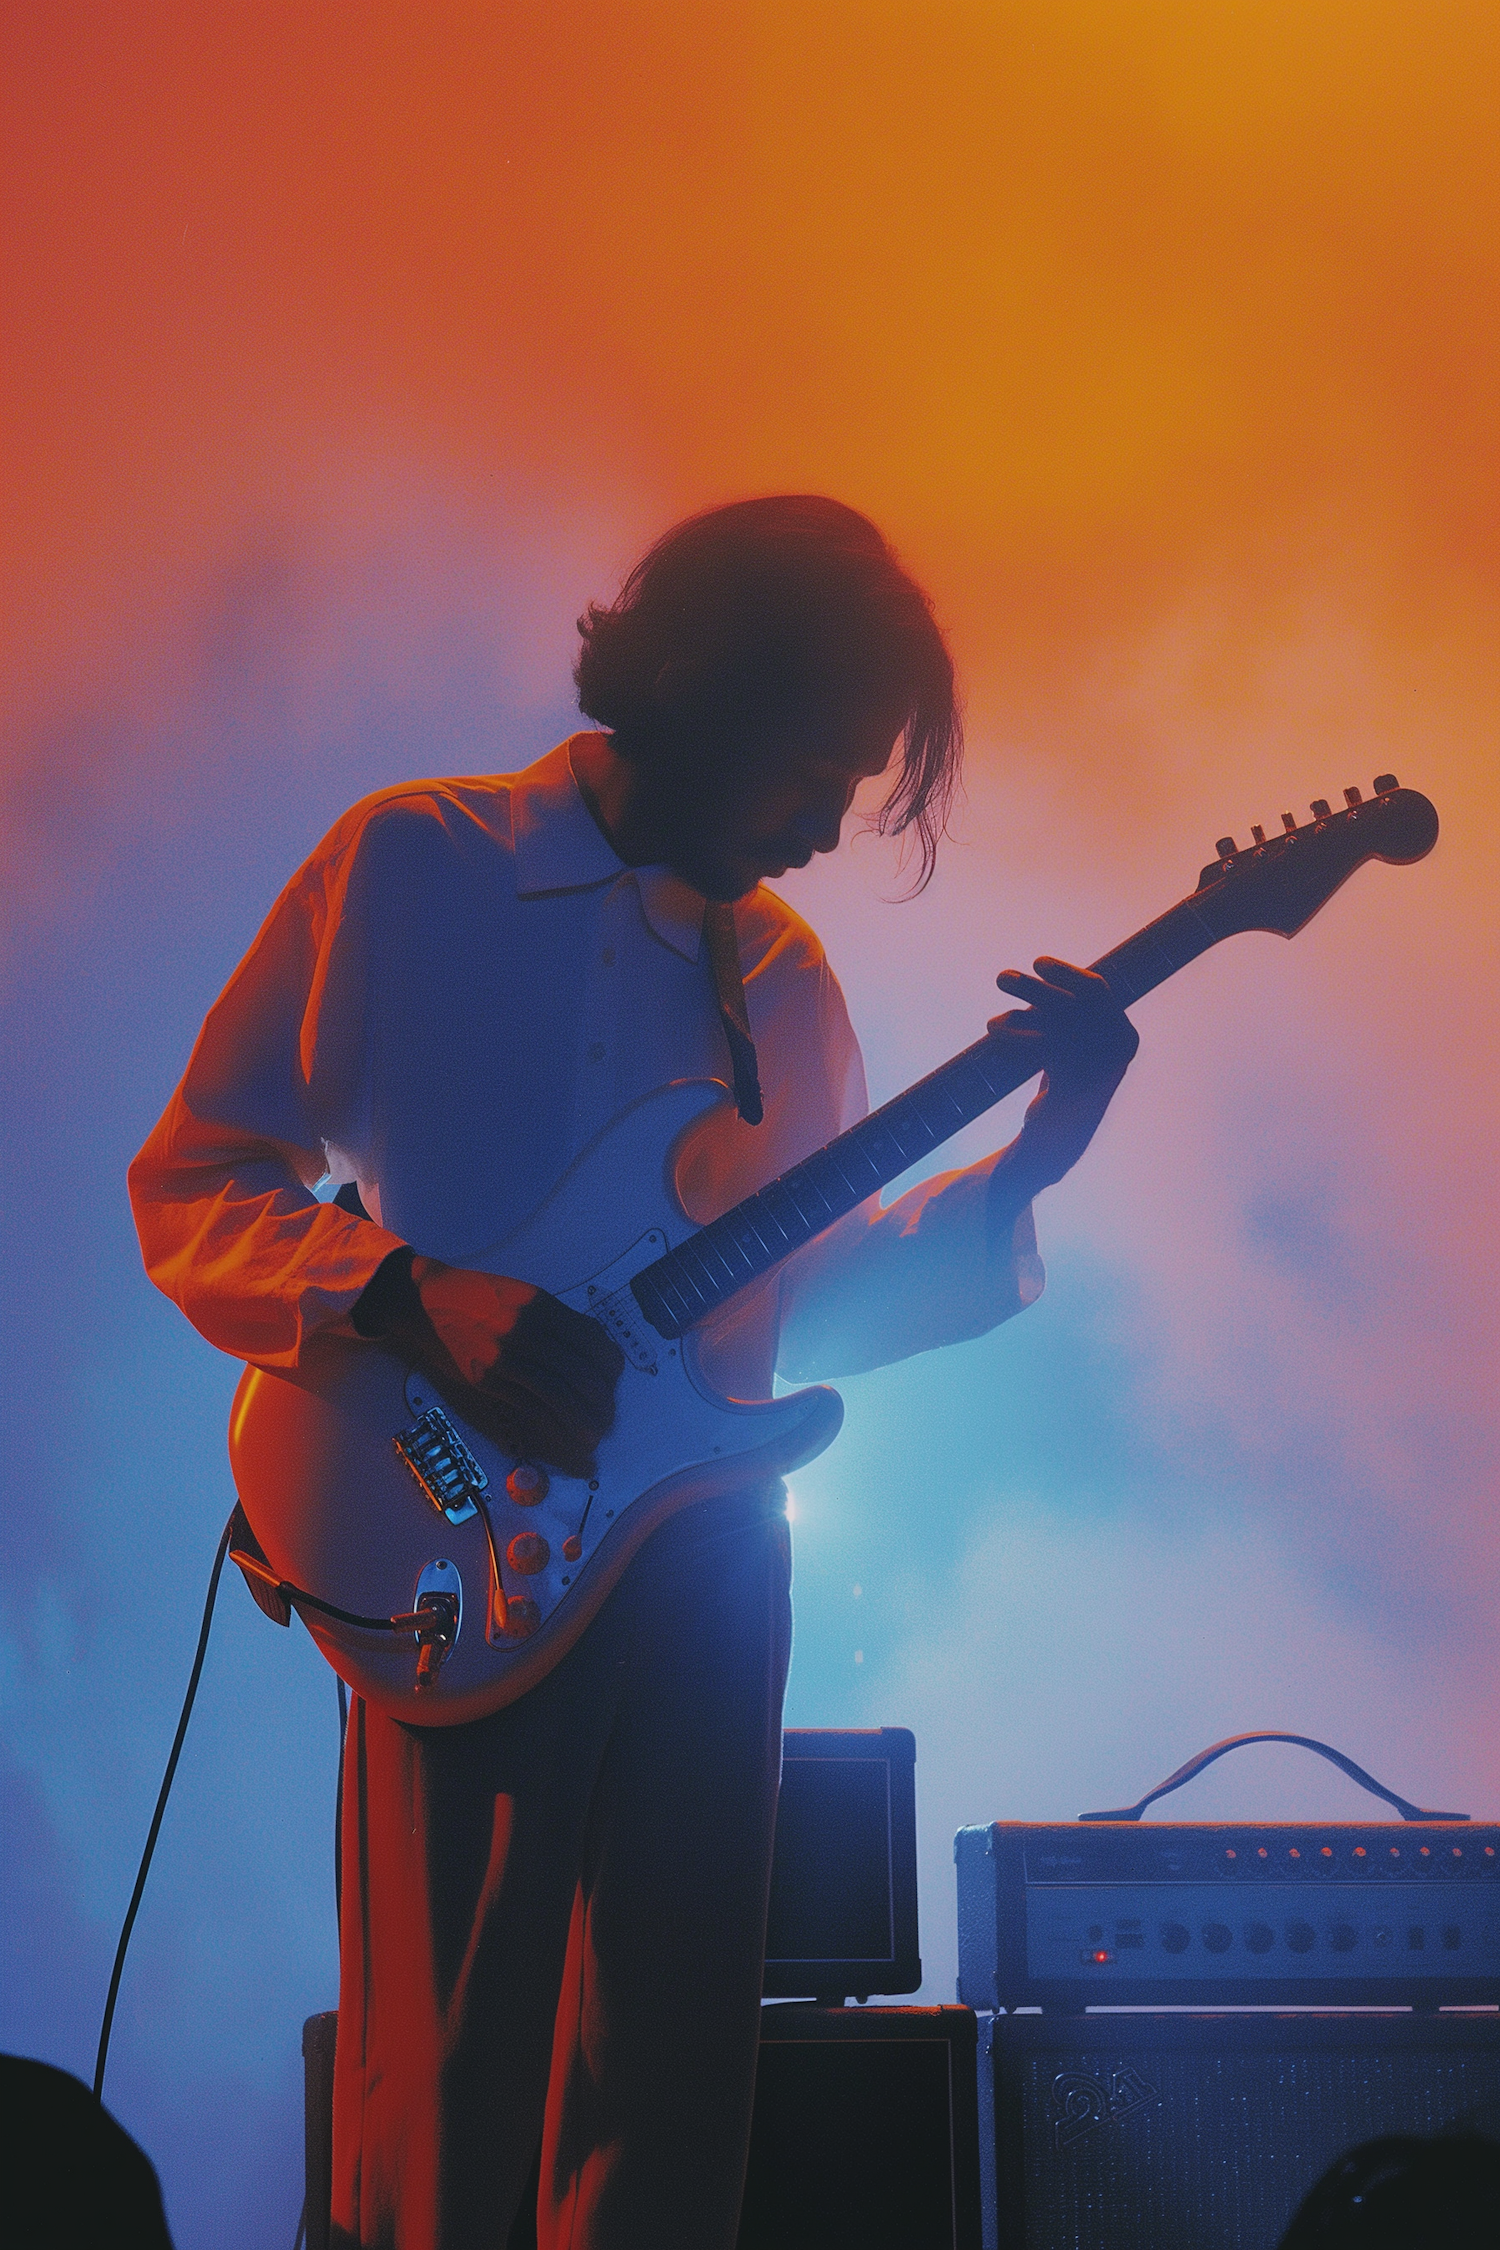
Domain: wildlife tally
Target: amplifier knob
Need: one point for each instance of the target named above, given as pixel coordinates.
(1175, 1938)
(1301, 1936)
(527, 1485)
(528, 1553)
(522, 1617)
(572, 1548)
(1217, 1938)
(1259, 1937)
(1343, 1937)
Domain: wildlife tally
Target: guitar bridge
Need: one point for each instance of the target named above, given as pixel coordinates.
(443, 1465)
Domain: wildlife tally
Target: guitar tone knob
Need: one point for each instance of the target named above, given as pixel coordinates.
(572, 1548)
(527, 1485)
(528, 1553)
(522, 1616)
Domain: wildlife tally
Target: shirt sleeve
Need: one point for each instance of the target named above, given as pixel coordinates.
(221, 1192)
(892, 1280)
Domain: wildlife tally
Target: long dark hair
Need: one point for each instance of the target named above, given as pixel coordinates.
(776, 610)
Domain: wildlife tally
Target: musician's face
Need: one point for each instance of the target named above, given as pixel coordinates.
(758, 808)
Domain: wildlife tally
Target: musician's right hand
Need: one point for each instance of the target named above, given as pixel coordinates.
(517, 1363)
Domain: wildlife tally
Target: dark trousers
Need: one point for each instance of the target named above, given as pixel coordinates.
(581, 1877)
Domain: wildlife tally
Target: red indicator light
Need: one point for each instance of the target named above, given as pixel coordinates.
(1101, 1956)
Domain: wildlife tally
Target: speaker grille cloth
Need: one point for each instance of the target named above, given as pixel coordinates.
(1123, 2147)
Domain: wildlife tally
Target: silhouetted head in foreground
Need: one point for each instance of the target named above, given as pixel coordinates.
(759, 662)
(1405, 2194)
(72, 2178)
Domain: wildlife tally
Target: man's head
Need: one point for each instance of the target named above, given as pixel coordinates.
(761, 661)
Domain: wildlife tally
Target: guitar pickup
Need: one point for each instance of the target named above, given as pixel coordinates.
(620, 1316)
(443, 1465)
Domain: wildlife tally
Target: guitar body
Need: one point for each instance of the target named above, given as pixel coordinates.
(339, 1513)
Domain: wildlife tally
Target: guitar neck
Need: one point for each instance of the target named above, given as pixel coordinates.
(728, 1254)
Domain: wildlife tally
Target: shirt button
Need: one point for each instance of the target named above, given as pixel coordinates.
(596, 1051)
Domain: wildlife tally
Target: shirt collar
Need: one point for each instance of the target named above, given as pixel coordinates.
(559, 847)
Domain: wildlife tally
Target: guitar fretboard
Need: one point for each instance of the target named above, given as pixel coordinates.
(731, 1252)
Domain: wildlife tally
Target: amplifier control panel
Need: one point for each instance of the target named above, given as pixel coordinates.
(1073, 1915)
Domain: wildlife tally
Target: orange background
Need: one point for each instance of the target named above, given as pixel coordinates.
(357, 346)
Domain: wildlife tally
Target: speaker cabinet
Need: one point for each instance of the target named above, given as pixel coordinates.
(1204, 2132)
(864, 2131)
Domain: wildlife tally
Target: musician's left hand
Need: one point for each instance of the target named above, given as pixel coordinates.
(1084, 1041)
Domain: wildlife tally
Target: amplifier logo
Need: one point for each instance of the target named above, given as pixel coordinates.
(1079, 2102)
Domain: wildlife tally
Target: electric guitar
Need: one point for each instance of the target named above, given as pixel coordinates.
(443, 1578)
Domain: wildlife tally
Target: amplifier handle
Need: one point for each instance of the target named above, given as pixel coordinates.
(1206, 1757)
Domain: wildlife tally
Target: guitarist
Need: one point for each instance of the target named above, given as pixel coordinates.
(459, 989)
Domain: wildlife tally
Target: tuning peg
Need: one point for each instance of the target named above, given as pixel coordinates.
(1289, 823)
(1259, 834)
(1385, 783)
(1352, 798)
(1226, 847)
(1321, 809)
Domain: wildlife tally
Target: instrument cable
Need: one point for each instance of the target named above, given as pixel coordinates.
(161, 1805)
(416, 1619)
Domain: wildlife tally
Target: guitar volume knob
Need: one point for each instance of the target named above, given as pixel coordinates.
(527, 1485)
(522, 1616)
(528, 1553)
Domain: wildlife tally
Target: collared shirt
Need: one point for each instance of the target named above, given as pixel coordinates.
(453, 996)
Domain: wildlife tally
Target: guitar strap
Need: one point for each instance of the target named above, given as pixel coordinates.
(729, 989)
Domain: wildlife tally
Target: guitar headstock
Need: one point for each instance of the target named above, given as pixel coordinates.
(1279, 882)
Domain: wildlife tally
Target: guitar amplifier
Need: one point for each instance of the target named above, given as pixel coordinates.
(1204, 2132)
(1074, 1915)
(843, 1913)
(1105, 2124)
